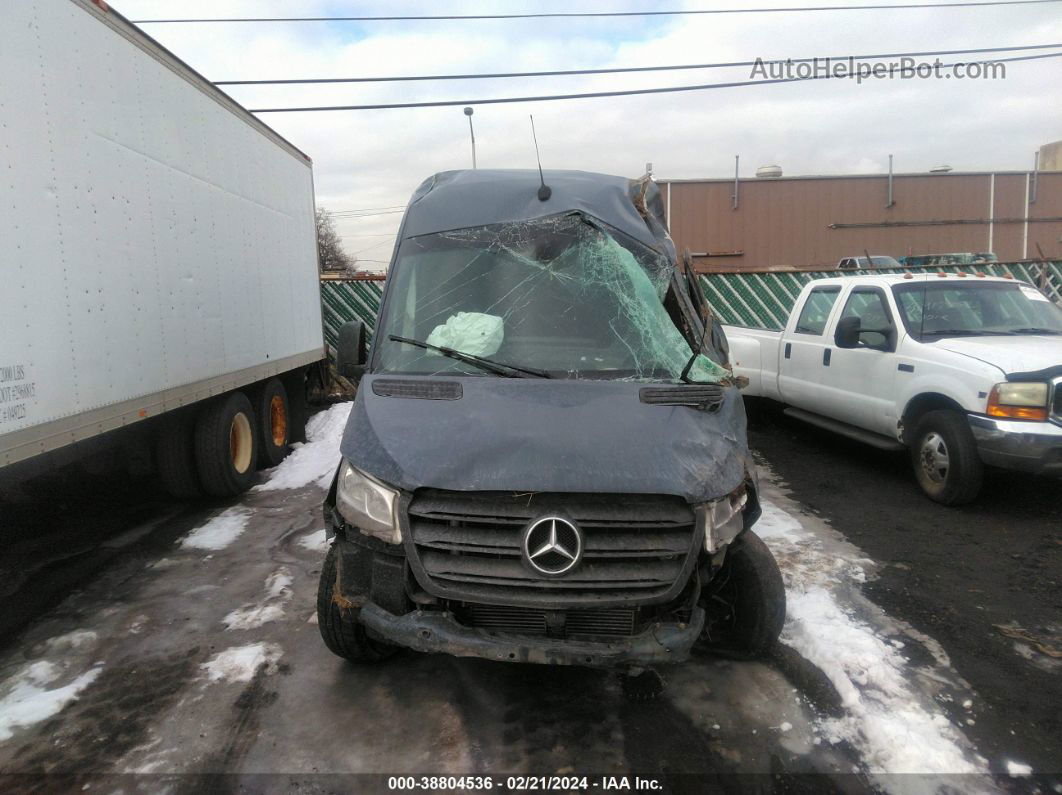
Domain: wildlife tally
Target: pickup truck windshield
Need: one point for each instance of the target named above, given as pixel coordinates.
(932, 310)
(559, 294)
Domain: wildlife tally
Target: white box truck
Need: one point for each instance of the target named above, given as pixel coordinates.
(159, 295)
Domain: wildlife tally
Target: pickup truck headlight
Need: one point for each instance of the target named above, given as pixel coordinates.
(368, 504)
(724, 519)
(1018, 400)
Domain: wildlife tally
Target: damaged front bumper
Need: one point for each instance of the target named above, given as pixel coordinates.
(1034, 447)
(436, 631)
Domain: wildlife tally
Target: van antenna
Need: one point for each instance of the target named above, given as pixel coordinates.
(544, 190)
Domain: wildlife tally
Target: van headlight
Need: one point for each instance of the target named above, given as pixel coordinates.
(368, 504)
(723, 519)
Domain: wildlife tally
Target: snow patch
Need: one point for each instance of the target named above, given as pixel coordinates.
(884, 716)
(1019, 769)
(220, 531)
(278, 584)
(316, 460)
(316, 541)
(72, 641)
(240, 663)
(250, 616)
(29, 701)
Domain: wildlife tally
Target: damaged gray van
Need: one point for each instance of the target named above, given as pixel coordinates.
(546, 460)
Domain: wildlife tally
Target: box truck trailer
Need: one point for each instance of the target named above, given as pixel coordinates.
(159, 302)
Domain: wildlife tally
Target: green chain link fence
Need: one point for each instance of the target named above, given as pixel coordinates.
(764, 300)
(348, 300)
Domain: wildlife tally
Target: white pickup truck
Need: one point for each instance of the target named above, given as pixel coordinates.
(961, 370)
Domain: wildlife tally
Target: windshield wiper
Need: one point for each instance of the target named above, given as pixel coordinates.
(498, 368)
(966, 332)
(1035, 330)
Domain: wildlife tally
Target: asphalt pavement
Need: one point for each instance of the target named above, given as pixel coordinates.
(984, 580)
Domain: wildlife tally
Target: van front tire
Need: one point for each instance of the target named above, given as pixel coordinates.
(340, 630)
(744, 603)
(945, 459)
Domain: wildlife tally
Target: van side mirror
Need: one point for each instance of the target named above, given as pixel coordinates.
(352, 349)
(847, 333)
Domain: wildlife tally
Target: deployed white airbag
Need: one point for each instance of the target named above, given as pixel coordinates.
(470, 332)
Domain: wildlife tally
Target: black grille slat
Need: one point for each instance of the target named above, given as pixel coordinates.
(625, 542)
(531, 621)
(440, 564)
(468, 545)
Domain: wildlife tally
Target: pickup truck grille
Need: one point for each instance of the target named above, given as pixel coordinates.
(638, 549)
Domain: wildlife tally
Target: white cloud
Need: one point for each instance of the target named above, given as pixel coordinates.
(376, 158)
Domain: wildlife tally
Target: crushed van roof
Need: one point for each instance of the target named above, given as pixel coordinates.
(471, 198)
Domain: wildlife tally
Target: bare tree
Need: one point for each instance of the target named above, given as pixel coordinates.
(329, 247)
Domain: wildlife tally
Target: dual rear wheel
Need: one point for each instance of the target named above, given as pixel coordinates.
(215, 449)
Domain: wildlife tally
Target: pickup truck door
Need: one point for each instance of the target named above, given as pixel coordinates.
(803, 346)
(858, 382)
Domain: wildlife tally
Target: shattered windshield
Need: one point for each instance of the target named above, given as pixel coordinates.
(561, 294)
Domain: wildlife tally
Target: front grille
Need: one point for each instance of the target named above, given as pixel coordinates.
(609, 623)
(1056, 403)
(637, 549)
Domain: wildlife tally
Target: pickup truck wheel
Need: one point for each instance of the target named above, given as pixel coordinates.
(226, 445)
(945, 458)
(341, 632)
(274, 423)
(744, 602)
(175, 456)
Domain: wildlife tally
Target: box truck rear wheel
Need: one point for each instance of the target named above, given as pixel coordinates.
(175, 456)
(274, 424)
(226, 445)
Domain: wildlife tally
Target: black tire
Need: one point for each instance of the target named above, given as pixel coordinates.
(341, 632)
(274, 423)
(744, 602)
(175, 456)
(226, 445)
(945, 459)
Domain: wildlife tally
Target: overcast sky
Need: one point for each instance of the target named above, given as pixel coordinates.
(374, 159)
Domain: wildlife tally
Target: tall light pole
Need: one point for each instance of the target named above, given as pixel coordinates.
(472, 133)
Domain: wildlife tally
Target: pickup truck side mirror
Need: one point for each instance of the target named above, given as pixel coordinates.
(850, 331)
(352, 349)
(847, 333)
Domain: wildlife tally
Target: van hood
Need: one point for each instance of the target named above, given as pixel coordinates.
(531, 435)
(1020, 354)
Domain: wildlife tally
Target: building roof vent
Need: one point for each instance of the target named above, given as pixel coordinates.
(768, 172)
(940, 169)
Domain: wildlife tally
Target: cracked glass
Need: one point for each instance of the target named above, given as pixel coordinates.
(564, 294)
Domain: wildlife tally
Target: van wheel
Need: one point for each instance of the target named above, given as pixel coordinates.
(945, 458)
(175, 456)
(341, 632)
(745, 602)
(226, 445)
(274, 423)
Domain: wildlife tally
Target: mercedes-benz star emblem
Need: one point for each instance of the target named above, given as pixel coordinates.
(552, 545)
